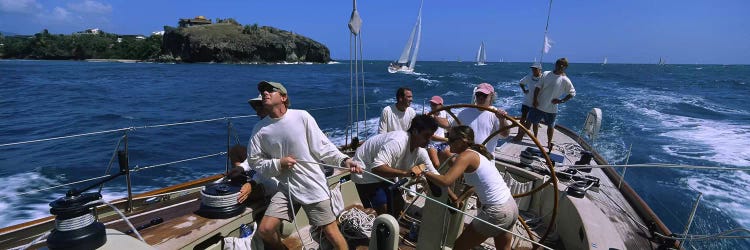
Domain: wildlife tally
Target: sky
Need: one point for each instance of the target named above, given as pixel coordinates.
(633, 31)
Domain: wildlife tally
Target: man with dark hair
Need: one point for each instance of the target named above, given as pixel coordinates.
(546, 95)
(397, 116)
(390, 155)
(286, 144)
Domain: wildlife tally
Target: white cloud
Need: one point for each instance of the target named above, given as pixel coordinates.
(90, 6)
(60, 14)
(19, 6)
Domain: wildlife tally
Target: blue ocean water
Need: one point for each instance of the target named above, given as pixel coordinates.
(687, 114)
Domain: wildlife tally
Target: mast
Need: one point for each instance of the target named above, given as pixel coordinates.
(356, 75)
(546, 40)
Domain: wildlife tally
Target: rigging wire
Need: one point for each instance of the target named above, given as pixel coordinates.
(136, 169)
(133, 128)
(658, 165)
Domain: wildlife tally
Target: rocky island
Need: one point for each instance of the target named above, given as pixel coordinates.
(228, 41)
(194, 40)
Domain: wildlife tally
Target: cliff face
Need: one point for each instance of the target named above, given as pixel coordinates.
(226, 42)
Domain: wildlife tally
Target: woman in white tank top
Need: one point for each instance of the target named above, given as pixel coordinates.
(498, 206)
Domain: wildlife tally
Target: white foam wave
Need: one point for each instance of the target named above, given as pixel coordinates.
(22, 208)
(451, 93)
(715, 141)
(693, 138)
(366, 129)
(663, 98)
(428, 81)
(724, 194)
(459, 75)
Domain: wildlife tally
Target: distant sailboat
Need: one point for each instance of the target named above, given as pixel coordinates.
(605, 61)
(662, 61)
(405, 64)
(481, 56)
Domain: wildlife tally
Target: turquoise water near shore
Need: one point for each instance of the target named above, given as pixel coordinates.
(687, 114)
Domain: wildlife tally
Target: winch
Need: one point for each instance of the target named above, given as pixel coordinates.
(75, 225)
(219, 201)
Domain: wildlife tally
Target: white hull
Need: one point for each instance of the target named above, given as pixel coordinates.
(402, 69)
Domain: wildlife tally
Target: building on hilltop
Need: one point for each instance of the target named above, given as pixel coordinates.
(199, 20)
(93, 31)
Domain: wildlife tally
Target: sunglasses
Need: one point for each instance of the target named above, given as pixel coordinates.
(269, 89)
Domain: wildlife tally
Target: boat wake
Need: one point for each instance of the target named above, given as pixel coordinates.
(715, 189)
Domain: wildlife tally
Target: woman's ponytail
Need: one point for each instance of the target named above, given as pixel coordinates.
(481, 149)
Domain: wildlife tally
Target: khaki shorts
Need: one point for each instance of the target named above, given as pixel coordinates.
(503, 215)
(319, 213)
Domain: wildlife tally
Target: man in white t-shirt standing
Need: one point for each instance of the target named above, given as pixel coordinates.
(546, 98)
(397, 116)
(528, 84)
(285, 144)
(483, 122)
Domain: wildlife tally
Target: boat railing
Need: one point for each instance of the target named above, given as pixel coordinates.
(124, 141)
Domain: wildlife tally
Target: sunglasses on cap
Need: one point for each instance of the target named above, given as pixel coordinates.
(269, 89)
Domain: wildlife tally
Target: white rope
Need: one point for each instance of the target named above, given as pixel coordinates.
(294, 216)
(438, 202)
(219, 200)
(123, 218)
(74, 223)
(136, 169)
(356, 224)
(41, 237)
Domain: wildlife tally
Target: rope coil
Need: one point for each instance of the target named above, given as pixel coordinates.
(219, 200)
(356, 224)
(75, 223)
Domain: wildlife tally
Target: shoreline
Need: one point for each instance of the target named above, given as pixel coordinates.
(114, 60)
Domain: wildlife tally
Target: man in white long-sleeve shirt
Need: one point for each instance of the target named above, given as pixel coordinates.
(283, 145)
(397, 116)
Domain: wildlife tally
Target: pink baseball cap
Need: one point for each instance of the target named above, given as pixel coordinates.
(485, 88)
(436, 100)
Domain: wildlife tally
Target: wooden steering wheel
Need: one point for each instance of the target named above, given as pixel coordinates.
(514, 123)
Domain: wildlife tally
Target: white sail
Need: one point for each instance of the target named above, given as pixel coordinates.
(605, 60)
(419, 37)
(408, 57)
(481, 55)
(407, 49)
(661, 61)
